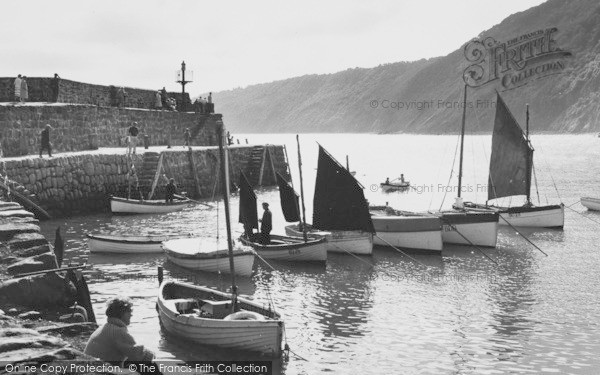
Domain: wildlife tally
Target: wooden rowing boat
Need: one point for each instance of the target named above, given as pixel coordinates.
(202, 315)
(135, 206)
(289, 249)
(123, 244)
(208, 255)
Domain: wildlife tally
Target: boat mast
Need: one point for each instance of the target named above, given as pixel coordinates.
(301, 190)
(462, 142)
(527, 166)
(225, 184)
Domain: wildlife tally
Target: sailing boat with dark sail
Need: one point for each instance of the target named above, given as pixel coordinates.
(465, 227)
(340, 210)
(211, 317)
(276, 247)
(511, 164)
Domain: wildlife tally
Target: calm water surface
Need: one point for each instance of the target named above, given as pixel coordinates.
(456, 313)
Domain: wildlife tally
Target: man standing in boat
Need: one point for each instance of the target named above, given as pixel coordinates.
(266, 224)
(170, 191)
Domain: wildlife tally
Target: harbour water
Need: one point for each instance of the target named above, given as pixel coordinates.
(457, 312)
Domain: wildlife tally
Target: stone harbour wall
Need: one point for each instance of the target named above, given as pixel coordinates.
(74, 184)
(86, 127)
(45, 89)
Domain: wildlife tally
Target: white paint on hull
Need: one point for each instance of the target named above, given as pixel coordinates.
(592, 204)
(242, 263)
(480, 234)
(131, 206)
(354, 242)
(426, 240)
(263, 336)
(536, 219)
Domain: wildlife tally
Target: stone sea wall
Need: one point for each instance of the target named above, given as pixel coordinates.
(45, 89)
(74, 184)
(86, 127)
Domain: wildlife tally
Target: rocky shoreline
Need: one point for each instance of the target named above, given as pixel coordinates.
(35, 325)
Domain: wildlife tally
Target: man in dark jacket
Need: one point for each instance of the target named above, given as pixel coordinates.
(170, 191)
(46, 141)
(266, 225)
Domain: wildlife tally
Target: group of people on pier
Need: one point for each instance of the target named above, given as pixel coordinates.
(21, 90)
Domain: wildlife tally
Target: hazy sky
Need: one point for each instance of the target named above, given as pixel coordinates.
(228, 44)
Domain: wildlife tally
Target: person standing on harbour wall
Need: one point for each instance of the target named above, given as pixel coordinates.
(187, 137)
(24, 89)
(18, 88)
(158, 100)
(132, 139)
(45, 141)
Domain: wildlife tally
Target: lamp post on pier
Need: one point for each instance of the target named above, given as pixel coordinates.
(181, 80)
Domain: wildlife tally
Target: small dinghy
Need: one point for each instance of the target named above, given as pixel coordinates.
(206, 316)
(592, 204)
(123, 244)
(136, 206)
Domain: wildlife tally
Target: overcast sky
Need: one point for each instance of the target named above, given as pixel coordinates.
(229, 44)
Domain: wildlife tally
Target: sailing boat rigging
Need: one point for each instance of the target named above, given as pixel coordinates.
(340, 210)
(211, 317)
(511, 165)
(283, 248)
(461, 226)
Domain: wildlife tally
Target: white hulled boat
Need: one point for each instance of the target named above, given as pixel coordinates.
(409, 230)
(461, 226)
(592, 204)
(137, 206)
(282, 248)
(511, 164)
(124, 244)
(340, 210)
(210, 317)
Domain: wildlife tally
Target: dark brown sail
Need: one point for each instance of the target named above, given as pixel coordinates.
(339, 202)
(512, 156)
(289, 200)
(248, 213)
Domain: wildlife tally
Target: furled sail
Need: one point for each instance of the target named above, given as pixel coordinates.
(248, 214)
(289, 200)
(512, 156)
(339, 202)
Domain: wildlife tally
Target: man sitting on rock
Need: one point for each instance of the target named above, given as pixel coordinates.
(111, 342)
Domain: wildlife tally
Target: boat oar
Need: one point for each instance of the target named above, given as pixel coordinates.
(400, 251)
(581, 213)
(191, 200)
(471, 243)
(522, 235)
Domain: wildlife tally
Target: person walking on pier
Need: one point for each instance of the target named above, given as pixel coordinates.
(132, 138)
(45, 144)
(170, 191)
(112, 342)
(187, 137)
(18, 88)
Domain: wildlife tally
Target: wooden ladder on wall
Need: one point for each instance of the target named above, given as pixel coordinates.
(260, 166)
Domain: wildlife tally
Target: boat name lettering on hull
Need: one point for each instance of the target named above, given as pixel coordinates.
(449, 228)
